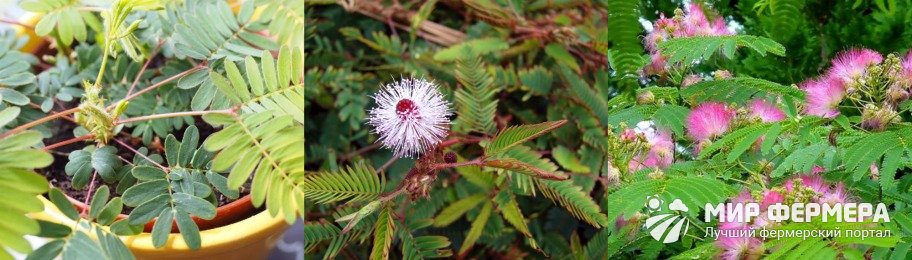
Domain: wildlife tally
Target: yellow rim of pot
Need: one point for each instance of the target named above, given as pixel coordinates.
(250, 230)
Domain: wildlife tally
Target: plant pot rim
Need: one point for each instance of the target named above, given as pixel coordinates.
(234, 211)
(250, 230)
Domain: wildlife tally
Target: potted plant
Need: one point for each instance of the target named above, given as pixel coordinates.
(152, 129)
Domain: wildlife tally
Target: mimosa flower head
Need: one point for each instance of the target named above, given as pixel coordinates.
(411, 116)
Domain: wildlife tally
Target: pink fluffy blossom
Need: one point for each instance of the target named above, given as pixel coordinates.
(709, 120)
(823, 97)
(765, 111)
(738, 247)
(850, 65)
(660, 154)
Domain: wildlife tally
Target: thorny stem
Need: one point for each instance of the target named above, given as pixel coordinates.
(145, 66)
(175, 114)
(140, 154)
(38, 122)
(69, 141)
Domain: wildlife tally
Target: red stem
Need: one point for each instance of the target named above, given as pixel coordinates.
(144, 67)
(69, 141)
(38, 122)
(140, 154)
(89, 192)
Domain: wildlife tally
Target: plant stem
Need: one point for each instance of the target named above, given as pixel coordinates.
(175, 114)
(144, 67)
(38, 122)
(69, 141)
(140, 154)
(348, 156)
(159, 84)
(477, 162)
(104, 63)
(13, 22)
(89, 192)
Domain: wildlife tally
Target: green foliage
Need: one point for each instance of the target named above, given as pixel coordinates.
(516, 135)
(274, 88)
(84, 163)
(85, 239)
(286, 20)
(63, 16)
(572, 198)
(21, 186)
(738, 90)
(360, 183)
(692, 49)
(694, 192)
(479, 47)
(475, 101)
(208, 30)
(185, 189)
(15, 70)
(383, 235)
(627, 54)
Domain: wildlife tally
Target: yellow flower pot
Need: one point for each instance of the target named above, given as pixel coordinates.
(251, 238)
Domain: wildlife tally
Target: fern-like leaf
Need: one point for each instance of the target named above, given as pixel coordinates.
(286, 20)
(266, 144)
(475, 101)
(209, 30)
(383, 234)
(577, 202)
(692, 49)
(516, 135)
(270, 85)
(738, 90)
(360, 183)
(626, 55)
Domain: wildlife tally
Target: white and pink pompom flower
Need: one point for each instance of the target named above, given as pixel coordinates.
(709, 120)
(411, 116)
(823, 97)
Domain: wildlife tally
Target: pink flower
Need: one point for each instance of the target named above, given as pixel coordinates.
(743, 197)
(766, 111)
(738, 247)
(815, 182)
(660, 154)
(690, 80)
(907, 66)
(709, 120)
(656, 66)
(771, 198)
(835, 195)
(850, 65)
(823, 97)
